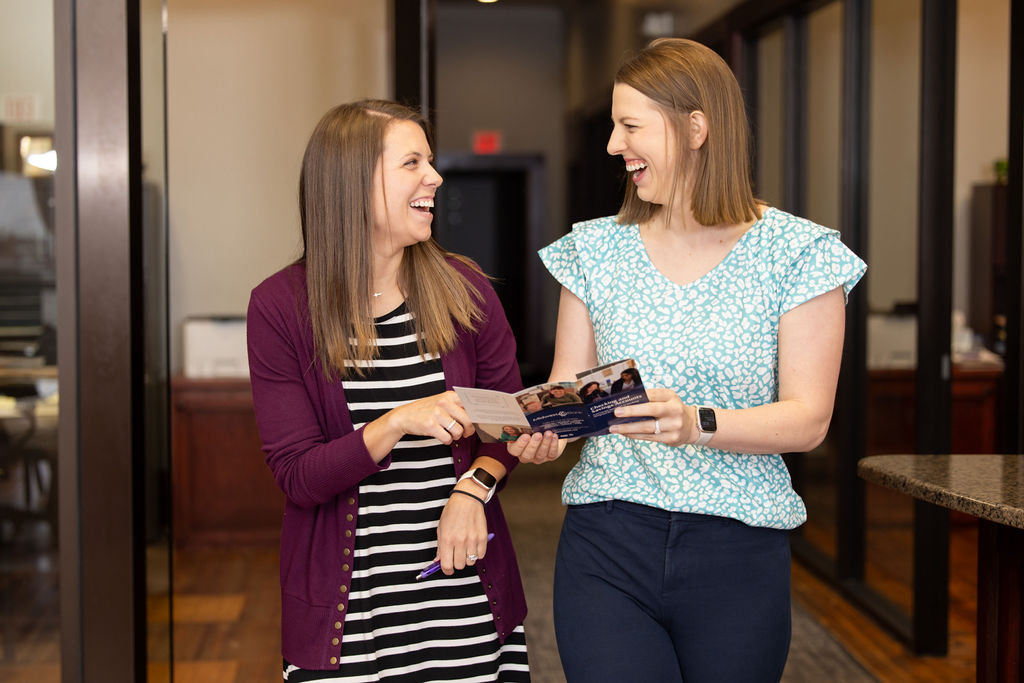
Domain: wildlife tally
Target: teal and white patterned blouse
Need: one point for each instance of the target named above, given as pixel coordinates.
(713, 341)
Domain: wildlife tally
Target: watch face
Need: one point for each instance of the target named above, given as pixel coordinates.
(706, 420)
(484, 477)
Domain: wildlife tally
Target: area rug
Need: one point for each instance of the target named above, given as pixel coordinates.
(534, 512)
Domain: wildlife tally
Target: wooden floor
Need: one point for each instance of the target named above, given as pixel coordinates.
(226, 605)
(875, 648)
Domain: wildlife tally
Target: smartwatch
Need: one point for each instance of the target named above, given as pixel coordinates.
(482, 478)
(707, 425)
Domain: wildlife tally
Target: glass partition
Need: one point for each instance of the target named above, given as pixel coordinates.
(768, 133)
(892, 286)
(822, 192)
(29, 397)
(980, 267)
(156, 478)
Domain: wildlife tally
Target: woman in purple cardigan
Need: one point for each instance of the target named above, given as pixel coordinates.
(353, 353)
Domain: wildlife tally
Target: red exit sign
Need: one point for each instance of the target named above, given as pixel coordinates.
(487, 141)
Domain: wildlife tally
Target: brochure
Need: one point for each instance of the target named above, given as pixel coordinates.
(585, 407)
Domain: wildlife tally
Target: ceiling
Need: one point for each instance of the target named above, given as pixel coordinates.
(693, 13)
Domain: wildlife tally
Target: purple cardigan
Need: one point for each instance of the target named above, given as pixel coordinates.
(318, 461)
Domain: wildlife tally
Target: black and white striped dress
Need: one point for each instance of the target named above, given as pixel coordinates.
(398, 629)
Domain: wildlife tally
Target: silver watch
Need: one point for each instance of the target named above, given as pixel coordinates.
(482, 478)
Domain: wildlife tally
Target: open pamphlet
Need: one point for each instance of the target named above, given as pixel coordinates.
(585, 407)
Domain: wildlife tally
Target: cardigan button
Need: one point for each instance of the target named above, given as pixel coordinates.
(344, 589)
(334, 660)
(351, 501)
(346, 551)
(349, 517)
(344, 567)
(337, 625)
(341, 608)
(334, 641)
(348, 533)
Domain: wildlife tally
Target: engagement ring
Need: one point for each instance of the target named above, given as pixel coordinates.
(471, 558)
(657, 427)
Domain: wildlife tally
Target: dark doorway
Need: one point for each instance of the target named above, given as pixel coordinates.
(491, 208)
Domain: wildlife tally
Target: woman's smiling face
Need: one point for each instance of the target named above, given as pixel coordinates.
(645, 141)
(404, 185)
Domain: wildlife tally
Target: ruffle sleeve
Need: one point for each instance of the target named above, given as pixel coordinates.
(816, 261)
(562, 260)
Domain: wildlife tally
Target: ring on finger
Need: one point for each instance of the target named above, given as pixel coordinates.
(657, 427)
(471, 558)
(450, 425)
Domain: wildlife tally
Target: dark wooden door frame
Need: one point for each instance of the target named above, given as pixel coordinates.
(794, 119)
(851, 549)
(98, 185)
(413, 34)
(1012, 418)
(933, 394)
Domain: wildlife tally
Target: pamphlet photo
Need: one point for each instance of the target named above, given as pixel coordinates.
(570, 409)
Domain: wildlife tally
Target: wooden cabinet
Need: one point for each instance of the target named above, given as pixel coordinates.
(891, 410)
(987, 258)
(223, 491)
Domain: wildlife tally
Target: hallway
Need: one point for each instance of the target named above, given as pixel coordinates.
(532, 506)
(226, 610)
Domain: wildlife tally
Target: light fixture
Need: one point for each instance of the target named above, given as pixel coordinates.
(487, 2)
(38, 157)
(46, 161)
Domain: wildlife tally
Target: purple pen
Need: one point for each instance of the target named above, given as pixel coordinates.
(434, 566)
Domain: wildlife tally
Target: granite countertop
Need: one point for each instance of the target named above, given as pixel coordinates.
(986, 486)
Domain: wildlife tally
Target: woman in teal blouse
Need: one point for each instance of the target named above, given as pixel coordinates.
(673, 563)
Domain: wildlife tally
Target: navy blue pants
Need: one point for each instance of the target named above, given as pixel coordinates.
(642, 594)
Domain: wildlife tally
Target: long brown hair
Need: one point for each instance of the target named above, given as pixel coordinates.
(336, 211)
(682, 76)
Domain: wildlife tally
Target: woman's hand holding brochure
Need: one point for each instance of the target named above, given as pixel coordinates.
(565, 410)
(537, 448)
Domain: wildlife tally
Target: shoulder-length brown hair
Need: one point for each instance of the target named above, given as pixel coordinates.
(682, 76)
(336, 211)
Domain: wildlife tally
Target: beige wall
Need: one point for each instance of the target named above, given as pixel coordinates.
(824, 115)
(982, 105)
(768, 126)
(26, 54)
(981, 137)
(246, 83)
(893, 181)
(154, 152)
(487, 78)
